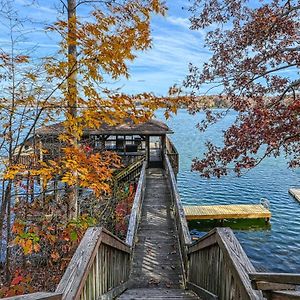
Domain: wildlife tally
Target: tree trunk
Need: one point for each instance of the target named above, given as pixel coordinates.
(72, 95)
(8, 237)
(5, 197)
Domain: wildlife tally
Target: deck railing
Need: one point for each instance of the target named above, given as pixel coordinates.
(215, 267)
(100, 266)
(173, 156)
(130, 172)
(99, 269)
(219, 267)
(136, 207)
(181, 224)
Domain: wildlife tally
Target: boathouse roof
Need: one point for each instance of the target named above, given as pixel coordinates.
(151, 127)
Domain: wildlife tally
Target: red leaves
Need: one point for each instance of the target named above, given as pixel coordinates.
(255, 62)
(19, 285)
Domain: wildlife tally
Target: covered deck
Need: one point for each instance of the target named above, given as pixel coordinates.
(131, 141)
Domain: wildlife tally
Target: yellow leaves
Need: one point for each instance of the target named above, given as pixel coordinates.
(27, 240)
(21, 59)
(13, 170)
(31, 76)
(89, 170)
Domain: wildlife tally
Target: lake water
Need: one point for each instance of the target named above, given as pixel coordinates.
(275, 248)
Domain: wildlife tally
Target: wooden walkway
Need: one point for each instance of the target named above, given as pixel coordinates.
(236, 211)
(156, 270)
(295, 193)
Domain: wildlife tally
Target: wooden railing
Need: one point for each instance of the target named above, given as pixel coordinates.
(100, 267)
(181, 224)
(219, 267)
(130, 172)
(215, 267)
(277, 286)
(172, 155)
(136, 207)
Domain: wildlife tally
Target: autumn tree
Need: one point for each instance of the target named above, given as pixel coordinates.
(92, 53)
(255, 66)
(20, 98)
(74, 85)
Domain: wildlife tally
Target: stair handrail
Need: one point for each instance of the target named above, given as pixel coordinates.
(219, 267)
(129, 169)
(100, 264)
(180, 220)
(136, 207)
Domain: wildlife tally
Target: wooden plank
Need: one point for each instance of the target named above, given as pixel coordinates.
(178, 204)
(204, 242)
(201, 292)
(74, 277)
(158, 293)
(112, 294)
(184, 236)
(110, 239)
(38, 296)
(284, 295)
(288, 278)
(230, 211)
(267, 286)
(295, 193)
(156, 255)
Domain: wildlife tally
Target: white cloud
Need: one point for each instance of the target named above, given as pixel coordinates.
(179, 21)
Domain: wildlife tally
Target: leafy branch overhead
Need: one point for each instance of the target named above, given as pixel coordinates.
(254, 66)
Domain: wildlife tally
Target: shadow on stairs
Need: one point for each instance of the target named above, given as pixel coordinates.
(156, 267)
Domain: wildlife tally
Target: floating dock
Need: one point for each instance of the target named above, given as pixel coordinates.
(295, 193)
(230, 211)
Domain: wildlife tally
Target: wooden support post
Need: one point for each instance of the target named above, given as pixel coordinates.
(148, 150)
(163, 149)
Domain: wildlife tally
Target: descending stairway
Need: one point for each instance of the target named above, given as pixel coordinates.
(156, 270)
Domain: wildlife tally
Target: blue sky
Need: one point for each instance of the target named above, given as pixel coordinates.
(174, 45)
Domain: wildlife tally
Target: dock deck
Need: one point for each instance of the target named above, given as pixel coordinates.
(295, 193)
(230, 211)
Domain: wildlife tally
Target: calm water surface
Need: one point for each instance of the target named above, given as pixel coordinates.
(271, 249)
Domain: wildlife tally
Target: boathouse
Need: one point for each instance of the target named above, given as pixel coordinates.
(132, 141)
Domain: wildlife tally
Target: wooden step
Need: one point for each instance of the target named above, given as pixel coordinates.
(153, 293)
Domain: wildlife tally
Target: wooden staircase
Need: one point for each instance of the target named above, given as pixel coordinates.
(156, 257)
(156, 271)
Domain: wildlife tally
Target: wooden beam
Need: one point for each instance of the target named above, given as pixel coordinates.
(236, 257)
(288, 278)
(206, 241)
(148, 150)
(136, 207)
(37, 296)
(202, 293)
(115, 292)
(283, 295)
(267, 286)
